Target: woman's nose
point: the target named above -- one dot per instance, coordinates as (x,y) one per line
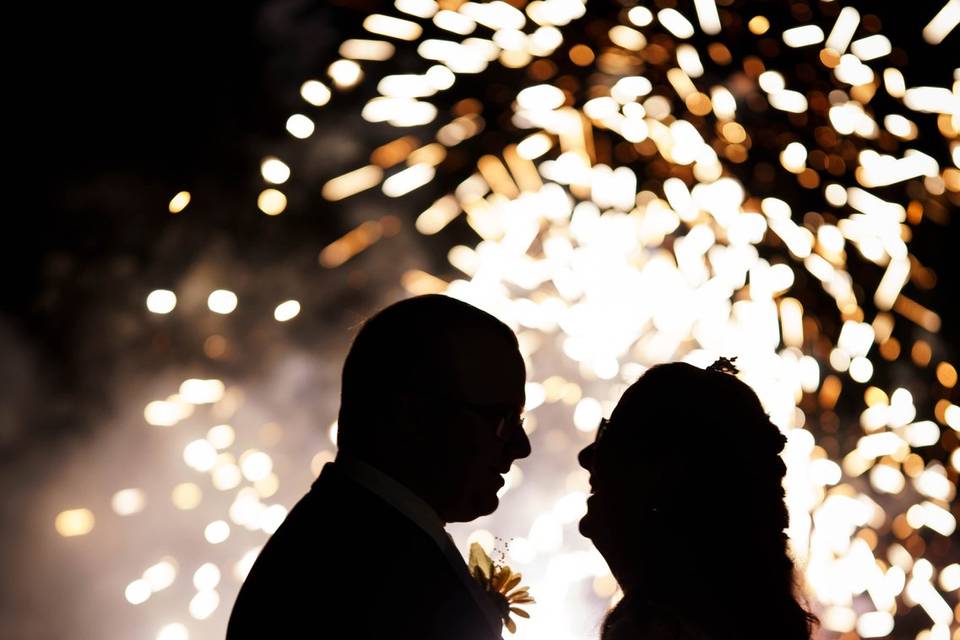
(585,457)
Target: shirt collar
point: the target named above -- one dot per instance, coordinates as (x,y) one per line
(422,514)
(400,497)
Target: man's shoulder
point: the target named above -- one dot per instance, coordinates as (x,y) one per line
(338,504)
(347,558)
(338,523)
(337,511)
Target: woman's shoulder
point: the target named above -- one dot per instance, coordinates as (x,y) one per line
(654,623)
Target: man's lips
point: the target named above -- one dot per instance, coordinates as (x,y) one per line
(500,474)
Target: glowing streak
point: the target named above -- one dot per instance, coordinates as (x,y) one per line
(791,319)
(895,276)
(421,283)
(681,82)
(676,23)
(455,22)
(871,47)
(392,27)
(407,180)
(431,154)
(803,36)
(523,170)
(843,30)
(542,96)
(943,23)
(418,8)
(708,16)
(74,522)
(917,313)
(689,60)
(627,38)
(497,176)
(439,215)
(286,311)
(400,112)
(883,170)
(352,243)
(375,50)
(894,82)
(497,15)
(786,100)
(406,86)
(932,100)
(179,202)
(534,146)
(352,183)
(724,104)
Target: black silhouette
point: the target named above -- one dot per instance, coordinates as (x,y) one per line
(688,510)
(432,394)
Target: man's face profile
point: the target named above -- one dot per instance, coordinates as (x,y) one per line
(478,434)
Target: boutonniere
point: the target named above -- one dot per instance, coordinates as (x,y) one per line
(501,584)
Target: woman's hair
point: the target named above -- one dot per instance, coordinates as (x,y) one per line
(706,459)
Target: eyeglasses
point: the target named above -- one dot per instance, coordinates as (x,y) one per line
(506,418)
(601,429)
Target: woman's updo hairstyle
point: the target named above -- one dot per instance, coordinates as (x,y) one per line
(711,479)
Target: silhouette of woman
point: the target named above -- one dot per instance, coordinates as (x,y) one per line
(687,509)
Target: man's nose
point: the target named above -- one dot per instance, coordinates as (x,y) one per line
(520,443)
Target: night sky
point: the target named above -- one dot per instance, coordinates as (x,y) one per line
(124,105)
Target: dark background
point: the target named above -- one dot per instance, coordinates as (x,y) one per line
(118,107)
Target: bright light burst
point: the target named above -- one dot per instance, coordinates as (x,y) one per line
(676,185)
(699,194)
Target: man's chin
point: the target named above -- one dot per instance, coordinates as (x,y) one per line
(477,509)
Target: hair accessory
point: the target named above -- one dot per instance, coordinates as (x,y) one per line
(724,365)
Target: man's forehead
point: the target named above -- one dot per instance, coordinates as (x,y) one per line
(487,367)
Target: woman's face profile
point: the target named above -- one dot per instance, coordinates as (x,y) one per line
(618,505)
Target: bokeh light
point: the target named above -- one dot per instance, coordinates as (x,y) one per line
(161,301)
(222,301)
(622,185)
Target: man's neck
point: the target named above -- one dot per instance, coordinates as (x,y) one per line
(405,500)
(406,475)
(392,489)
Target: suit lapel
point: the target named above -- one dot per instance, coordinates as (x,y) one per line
(458,608)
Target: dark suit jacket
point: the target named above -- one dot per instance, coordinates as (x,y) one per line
(346,564)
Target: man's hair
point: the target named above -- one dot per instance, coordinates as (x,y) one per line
(404,347)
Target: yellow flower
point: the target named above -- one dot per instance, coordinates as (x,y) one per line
(501,583)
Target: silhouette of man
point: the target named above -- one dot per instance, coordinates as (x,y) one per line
(432,393)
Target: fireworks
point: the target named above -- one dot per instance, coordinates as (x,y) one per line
(660,184)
